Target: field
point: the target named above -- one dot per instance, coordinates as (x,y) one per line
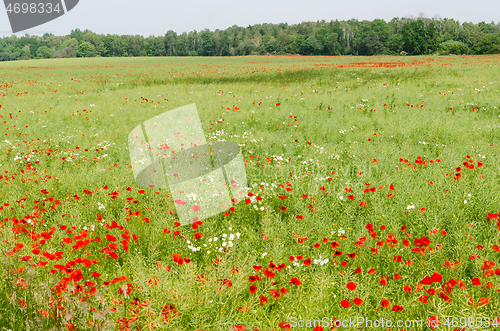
(373,195)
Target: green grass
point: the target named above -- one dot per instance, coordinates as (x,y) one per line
(350,115)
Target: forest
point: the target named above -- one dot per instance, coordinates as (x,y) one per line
(400,36)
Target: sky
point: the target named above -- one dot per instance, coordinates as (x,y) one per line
(155,17)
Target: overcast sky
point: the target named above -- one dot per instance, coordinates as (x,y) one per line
(155,17)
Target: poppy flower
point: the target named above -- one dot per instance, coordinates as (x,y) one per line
(476,281)
(275,294)
(285,326)
(253,289)
(433,322)
(295,281)
(436,277)
(383,280)
(345,303)
(484,301)
(423,299)
(426,281)
(407,289)
(357,301)
(397,308)
(385,303)
(110,237)
(263,299)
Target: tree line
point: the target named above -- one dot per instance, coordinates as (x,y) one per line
(400,36)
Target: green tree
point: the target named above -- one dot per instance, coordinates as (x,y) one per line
(453,47)
(470,34)
(44,52)
(310,46)
(489,44)
(159,49)
(97,41)
(77,34)
(171,43)
(86,49)
(136,45)
(394,44)
(419,39)
(208,46)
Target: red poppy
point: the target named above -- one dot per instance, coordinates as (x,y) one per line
(476,281)
(253,289)
(385,303)
(484,301)
(351,286)
(263,299)
(436,277)
(423,299)
(345,303)
(295,281)
(433,322)
(357,301)
(397,308)
(285,326)
(110,237)
(426,281)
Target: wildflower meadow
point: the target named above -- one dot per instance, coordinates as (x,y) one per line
(373,194)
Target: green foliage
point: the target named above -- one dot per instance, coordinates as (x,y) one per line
(419,39)
(453,47)
(86,49)
(352,37)
(44,52)
(488,44)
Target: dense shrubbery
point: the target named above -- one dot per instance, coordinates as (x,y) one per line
(353,37)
